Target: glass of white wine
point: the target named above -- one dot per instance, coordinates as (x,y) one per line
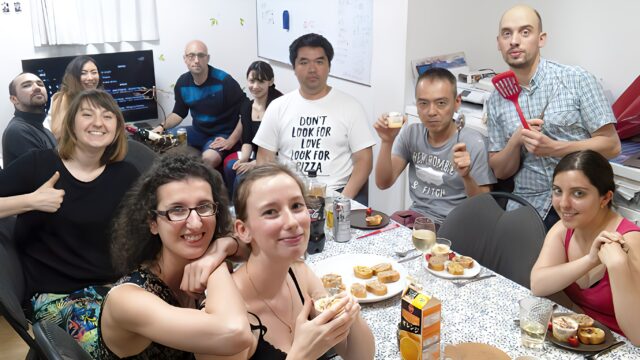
(424,234)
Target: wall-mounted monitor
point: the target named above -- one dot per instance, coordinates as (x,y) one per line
(128,76)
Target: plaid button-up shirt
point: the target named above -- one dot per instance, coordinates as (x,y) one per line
(576,108)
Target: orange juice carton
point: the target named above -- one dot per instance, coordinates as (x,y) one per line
(419,329)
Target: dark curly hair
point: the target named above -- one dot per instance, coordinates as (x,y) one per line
(132,244)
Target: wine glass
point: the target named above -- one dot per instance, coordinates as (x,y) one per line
(424,234)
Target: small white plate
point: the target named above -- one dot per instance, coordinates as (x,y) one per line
(343,266)
(468,273)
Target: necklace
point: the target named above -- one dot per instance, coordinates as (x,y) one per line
(246,268)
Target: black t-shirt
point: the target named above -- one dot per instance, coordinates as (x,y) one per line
(67,250)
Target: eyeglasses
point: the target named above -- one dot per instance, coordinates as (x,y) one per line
(182,213)
(192,56)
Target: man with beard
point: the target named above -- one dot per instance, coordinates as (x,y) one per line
(25,131)
(565,107)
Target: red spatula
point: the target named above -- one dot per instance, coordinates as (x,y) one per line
(507,85)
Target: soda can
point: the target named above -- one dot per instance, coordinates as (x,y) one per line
(181,134)
(341,219)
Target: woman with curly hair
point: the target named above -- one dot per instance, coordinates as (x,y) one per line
(81,74)
(169,219)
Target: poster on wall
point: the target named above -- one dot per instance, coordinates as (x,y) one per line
(347,24)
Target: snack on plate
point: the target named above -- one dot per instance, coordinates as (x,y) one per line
(455,268)
(376,287)
(388,276)
(362,272)
(358,290)
(465,261)
(325,303)
(380,268)
(591,335)
(374,220)
(436,263)
(564,327)
(440,250)
(583,320)
(332,281)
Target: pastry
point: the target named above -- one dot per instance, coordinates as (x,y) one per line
(564,327)
(436,263)
(583,320)
(440,250)
(376,287)
(455,268)
(325,303)
(332,281)
(362,272)
(374,220)
(591,336)
(388,276)
(465,261)
(380,268)
(358,290)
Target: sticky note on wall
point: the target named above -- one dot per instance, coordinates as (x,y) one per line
(285,20)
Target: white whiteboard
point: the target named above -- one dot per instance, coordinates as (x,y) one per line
(347,24)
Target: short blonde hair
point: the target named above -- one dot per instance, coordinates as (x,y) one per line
(117,150)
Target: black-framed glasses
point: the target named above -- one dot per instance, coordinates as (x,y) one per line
(180,213)
(192,56)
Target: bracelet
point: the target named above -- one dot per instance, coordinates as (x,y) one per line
(237,246)
(163,127)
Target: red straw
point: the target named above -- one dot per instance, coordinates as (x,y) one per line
(388,227)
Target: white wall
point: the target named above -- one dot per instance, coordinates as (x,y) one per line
(595,35)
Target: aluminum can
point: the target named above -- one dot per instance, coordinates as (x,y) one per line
(181,134)
(341,219)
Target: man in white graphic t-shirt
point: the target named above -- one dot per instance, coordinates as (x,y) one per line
(318,127)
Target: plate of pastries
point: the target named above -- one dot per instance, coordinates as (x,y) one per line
(450,265)
(368,219)
(368,277)
(578,332)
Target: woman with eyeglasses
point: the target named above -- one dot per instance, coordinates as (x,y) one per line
(275,283)
(81,74)
(65,199)
(170,218)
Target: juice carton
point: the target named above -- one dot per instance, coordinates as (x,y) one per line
(419,332)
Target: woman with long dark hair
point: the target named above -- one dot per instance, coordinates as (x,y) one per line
(592,253)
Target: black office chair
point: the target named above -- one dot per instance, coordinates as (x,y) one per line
(57,344)
(12,288)
(140,155)
(507,242)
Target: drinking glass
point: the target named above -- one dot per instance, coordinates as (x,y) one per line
(441,248)
(535,314)
(424,234)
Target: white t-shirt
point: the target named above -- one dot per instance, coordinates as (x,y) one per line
(317,134)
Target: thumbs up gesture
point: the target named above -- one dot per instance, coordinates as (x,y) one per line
(47,198)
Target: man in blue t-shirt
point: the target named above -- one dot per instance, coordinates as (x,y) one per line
(213,98)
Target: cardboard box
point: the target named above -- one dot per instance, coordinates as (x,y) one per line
(419,332)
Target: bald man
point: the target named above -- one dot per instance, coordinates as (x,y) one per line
(213,98)
(565,107)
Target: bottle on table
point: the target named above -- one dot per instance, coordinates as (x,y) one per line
(316,194)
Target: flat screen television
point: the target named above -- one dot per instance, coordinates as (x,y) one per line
(126,76)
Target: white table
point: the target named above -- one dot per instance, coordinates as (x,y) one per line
(479,312)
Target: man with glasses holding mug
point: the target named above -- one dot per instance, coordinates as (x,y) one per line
(213,98)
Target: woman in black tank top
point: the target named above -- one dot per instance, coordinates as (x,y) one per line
(277,285)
